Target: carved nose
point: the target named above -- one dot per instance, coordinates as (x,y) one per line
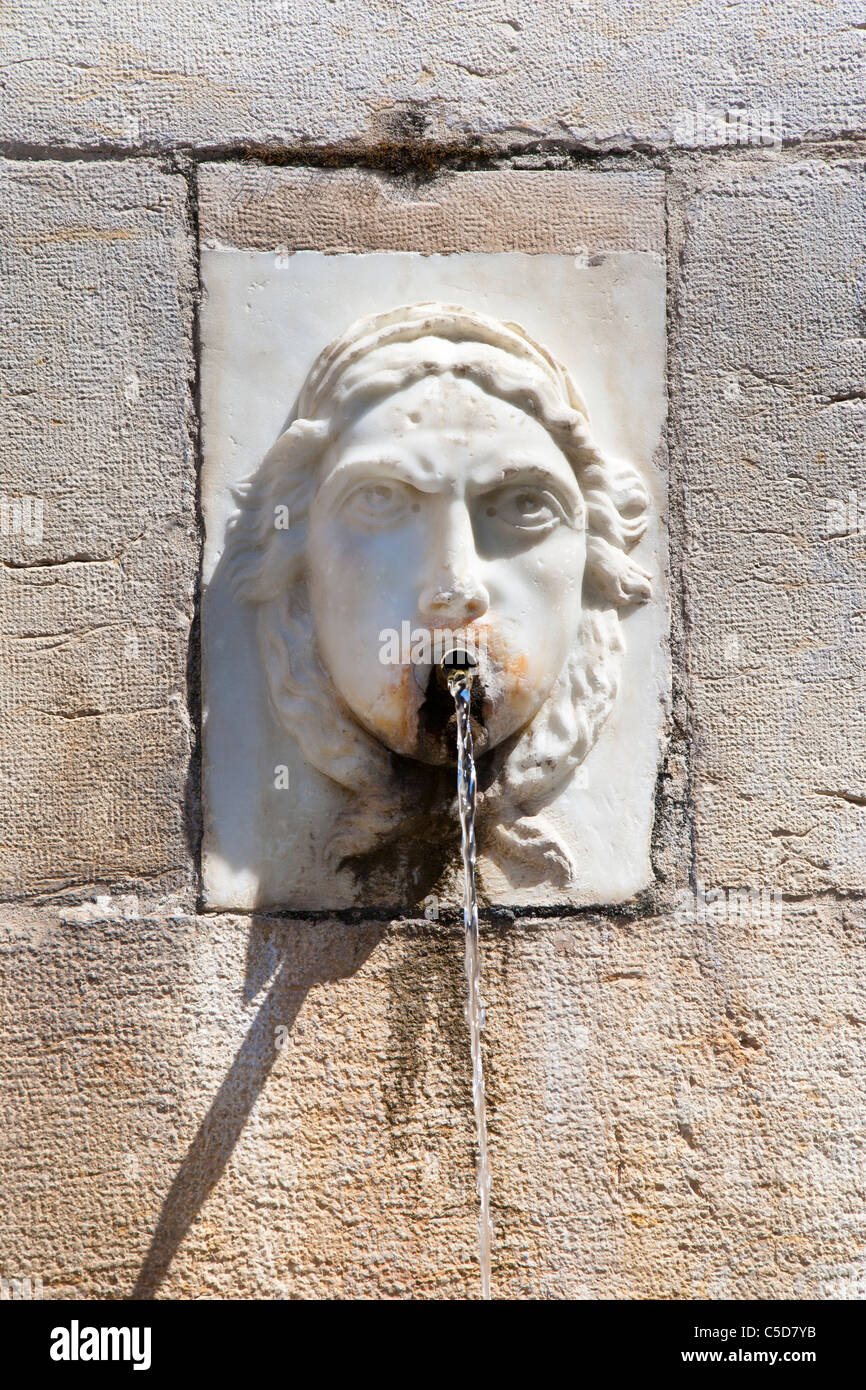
(457,602)
(455,593)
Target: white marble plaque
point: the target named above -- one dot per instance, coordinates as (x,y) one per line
(403,450)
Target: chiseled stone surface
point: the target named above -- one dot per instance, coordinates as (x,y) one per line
(341,74)
(260,208)
(97,576)
(770,412)
(232,1105)
(244,1108)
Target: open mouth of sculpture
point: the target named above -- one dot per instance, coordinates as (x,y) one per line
(437,719)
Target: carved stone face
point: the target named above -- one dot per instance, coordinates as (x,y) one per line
(440,481)
(444,507)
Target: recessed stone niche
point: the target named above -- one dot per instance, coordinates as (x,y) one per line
(431,414)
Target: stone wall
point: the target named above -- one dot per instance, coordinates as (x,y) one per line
(200,1104)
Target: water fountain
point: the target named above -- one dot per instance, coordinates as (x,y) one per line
(438,484)
(459,668)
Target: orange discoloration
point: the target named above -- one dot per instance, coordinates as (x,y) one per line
(517,673)
(639,1218)
(396,715)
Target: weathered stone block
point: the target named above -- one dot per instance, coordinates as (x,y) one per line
(770,412)
(264,1109)
(98,546)
(356,210)
(341,74)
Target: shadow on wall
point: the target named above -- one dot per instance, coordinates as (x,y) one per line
(298,957)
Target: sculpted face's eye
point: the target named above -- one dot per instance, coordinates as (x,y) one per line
(376,506)
(527,509)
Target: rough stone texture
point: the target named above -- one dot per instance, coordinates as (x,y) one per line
(771,415)
(354,210)
(95,616)
(676,1099)
(675,1107)
(285,72)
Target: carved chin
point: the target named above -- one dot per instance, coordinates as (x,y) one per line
(419,722)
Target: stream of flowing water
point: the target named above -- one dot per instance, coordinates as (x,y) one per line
(459,683)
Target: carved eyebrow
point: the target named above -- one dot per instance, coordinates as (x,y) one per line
(348,470)
(516,471)
(501,474)
(522,468)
